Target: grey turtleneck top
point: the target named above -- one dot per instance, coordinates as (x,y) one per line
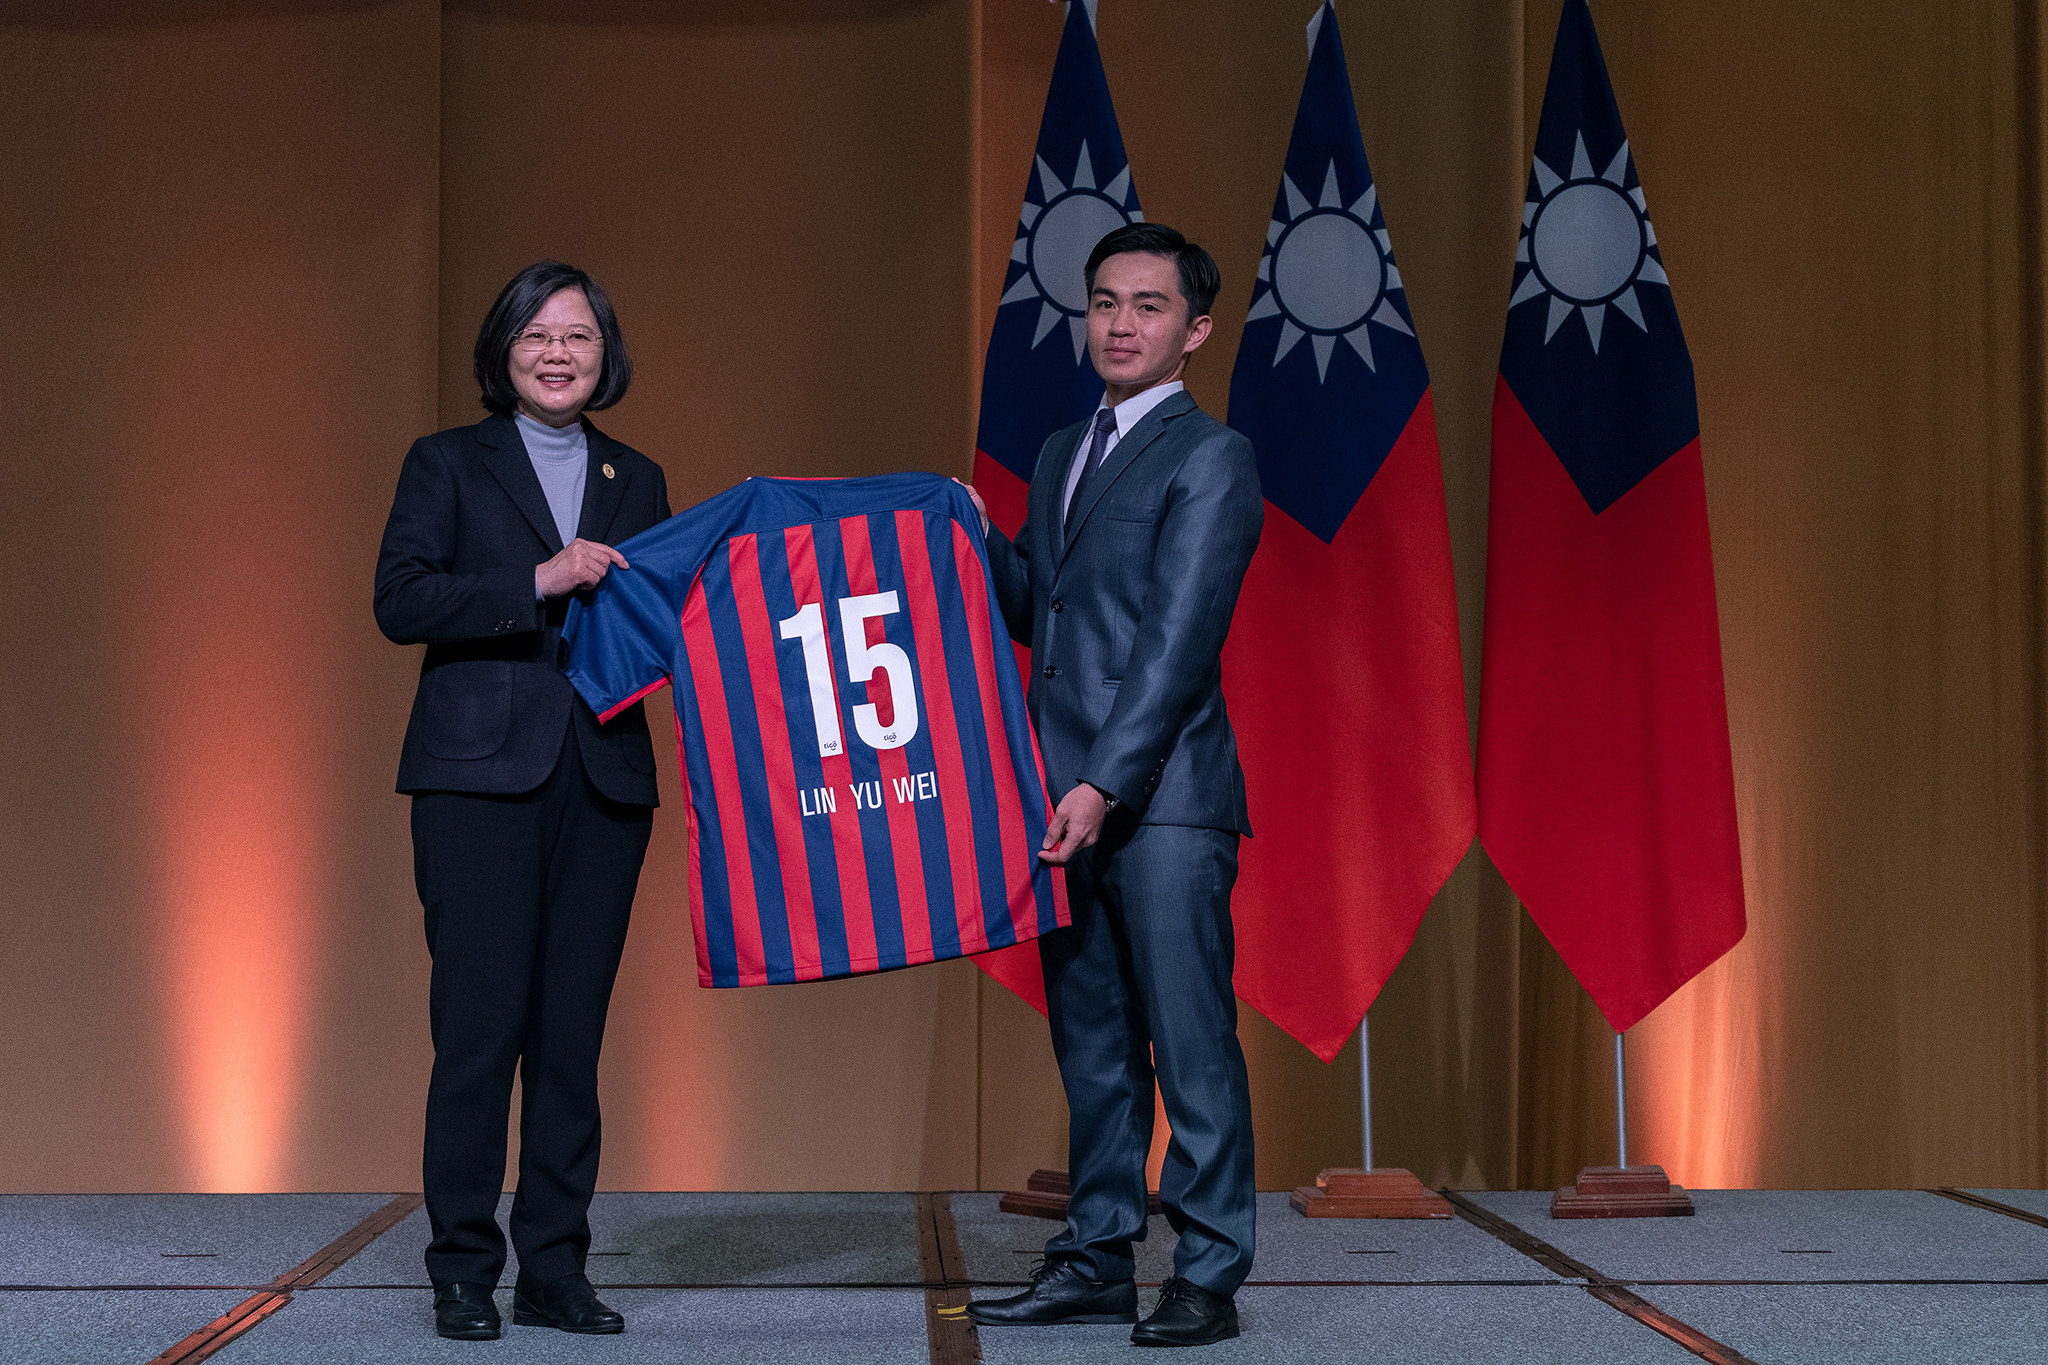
(561,458)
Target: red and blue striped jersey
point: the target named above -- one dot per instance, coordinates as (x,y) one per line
(864,790)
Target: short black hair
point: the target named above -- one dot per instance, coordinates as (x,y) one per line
(1199,278)
(518,301)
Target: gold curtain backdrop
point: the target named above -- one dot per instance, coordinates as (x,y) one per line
(250,242)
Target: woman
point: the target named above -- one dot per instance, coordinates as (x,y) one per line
(529,819)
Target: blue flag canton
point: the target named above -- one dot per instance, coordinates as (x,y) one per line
(1037,377)
(1593,348)
(1329,371)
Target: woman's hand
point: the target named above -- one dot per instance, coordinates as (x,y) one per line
(581,564)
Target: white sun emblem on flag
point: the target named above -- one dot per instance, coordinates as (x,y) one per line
(1587,244)
(1327,272)
(1054,240)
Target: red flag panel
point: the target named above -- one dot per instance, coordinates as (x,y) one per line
(1360,816)
(1606,787)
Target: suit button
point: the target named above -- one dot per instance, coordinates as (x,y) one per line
(1051,672)
(1058,605)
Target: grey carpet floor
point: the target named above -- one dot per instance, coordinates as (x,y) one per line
(1421,1291)
(70,1327)
(1292,1247)
(1869,1324)
(2033,1201)
(690,1239)
(1000,1247)
(168,1239)
(1418,1325)
(1794,1235)
(772,1326)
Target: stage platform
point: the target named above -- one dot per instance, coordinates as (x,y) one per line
(845,1279)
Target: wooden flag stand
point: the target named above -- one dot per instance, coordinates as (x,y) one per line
(1387,1193)
(1368,1193)
(1622,1191)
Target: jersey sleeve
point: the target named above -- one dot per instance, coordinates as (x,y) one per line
(622,637)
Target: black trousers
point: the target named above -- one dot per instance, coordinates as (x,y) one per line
(527,899)
(1141,982)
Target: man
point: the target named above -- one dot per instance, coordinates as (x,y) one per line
(1138,529)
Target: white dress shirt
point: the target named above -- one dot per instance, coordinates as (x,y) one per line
(1128,414)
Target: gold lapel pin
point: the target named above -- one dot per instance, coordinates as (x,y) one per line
(610,473)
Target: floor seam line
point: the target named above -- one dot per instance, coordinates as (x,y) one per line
(244,1316)
(1978,1201)
(949,1335)
(1613,1292)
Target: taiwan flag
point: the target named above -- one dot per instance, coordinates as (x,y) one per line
(1606,793)
(1342,668)
(1038,377)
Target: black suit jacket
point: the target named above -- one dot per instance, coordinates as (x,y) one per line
(468,525)
(1126,608)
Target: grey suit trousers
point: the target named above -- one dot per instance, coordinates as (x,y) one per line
(1140,985)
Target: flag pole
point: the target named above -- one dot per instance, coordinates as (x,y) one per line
(1620,1106)
(1365,1087)
(1579,427)
(1621,1190)
(1366,1192)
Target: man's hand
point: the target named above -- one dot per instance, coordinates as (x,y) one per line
(979,505)
(581,564)
(1074,826)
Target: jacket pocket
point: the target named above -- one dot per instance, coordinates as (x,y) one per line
(628,736)
(465,708)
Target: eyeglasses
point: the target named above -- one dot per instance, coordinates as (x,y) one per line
(536,339)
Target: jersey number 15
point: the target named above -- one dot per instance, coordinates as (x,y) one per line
(862,659)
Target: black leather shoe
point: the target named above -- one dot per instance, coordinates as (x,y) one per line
(1187,1315)
(1059,1292)
(465,1312)
(569,1304)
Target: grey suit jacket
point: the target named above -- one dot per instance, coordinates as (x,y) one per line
(1126,609)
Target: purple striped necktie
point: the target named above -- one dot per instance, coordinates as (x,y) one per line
(1105,423)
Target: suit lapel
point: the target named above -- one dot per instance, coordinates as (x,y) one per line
(602,494)
(1050,490)
(1149,429)
(505,457)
